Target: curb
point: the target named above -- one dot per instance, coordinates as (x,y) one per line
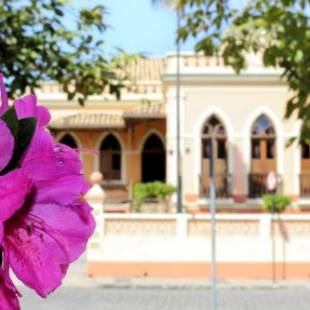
(149,283)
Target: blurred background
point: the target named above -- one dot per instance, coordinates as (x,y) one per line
(191,118)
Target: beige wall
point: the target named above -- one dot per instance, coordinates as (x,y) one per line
(207,87)
(237,104)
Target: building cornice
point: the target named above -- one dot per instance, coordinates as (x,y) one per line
(247,77)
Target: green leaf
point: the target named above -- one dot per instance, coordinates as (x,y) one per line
(299,56)
(37,46)
(26,131)
(279,30)
(27,128)
(11,120)
(59,12)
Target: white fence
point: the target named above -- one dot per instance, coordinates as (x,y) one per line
(241,239)
(178,245)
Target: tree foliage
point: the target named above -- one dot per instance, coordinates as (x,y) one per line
(278,30)
(51,40)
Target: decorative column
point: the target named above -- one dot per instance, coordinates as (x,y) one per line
(96,197)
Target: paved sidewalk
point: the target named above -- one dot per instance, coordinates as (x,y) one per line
(167,299)
(80,292)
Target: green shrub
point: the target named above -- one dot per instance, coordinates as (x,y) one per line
(153,190)
(275,203)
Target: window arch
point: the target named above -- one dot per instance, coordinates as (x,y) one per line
(69,140)
(111,158)
(263,138)
(214,129)
(263,156)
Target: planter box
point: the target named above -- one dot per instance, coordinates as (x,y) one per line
(152,206)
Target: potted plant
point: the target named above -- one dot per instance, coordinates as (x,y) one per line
(152,196)
(276,203)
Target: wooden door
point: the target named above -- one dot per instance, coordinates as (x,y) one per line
(263,155)
(220,166)
(111,165)
(111,159)
(305,171)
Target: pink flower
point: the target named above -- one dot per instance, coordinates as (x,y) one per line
(44,221)
(8,292)
(6,145)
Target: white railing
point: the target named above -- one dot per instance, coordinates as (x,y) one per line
(185,238)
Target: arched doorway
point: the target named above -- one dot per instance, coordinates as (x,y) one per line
(263,155)
(68,140)
(153,160)
(111,158)
(214,129)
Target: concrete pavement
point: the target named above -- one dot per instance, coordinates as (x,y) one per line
(168,299)
(79,293)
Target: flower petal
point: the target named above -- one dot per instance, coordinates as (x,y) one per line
(43,116)
(32,256)
(14,187)
(8,292)
(74,223)
(4,98)
(55,170)
(46,241)
(1,232)
(41,146)
(27,107)
(6,145)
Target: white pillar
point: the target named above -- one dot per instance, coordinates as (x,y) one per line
(182,226)
(96,197)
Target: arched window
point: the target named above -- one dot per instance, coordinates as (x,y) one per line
(263,139)
(68,140)
(110,158)
(153,160)
(214,129)
(263,155)
(305,170)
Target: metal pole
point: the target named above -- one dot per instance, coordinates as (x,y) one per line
(213,228)
(272,187)
(178,148)
(273,225)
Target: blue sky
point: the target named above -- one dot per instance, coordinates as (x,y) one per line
(138,26)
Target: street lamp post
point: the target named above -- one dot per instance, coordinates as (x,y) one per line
(271,187)
(213,226)
(178,147)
